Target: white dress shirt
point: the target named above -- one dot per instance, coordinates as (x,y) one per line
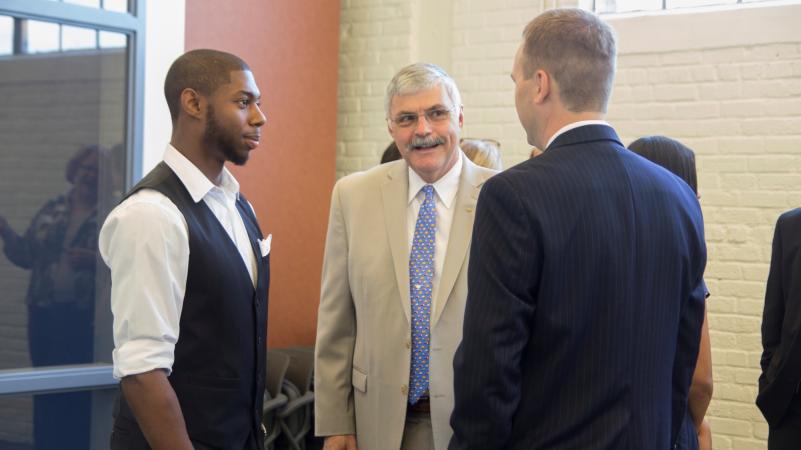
(445,188)
(145,243)
(572,126)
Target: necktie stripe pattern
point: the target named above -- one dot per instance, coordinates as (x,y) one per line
(421,276)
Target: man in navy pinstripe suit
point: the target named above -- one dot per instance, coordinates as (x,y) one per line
(585,299)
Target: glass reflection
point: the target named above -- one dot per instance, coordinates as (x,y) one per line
(671,4)
(95,419)
(89,3)
(110,5)
(63,124)
(620,6)
(111,40)
(116,5)
(6,35)
(77,38)
(41,36)
(59,249)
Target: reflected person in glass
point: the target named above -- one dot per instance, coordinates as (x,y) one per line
(59,248)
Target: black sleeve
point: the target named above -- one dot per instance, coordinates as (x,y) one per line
(502,274)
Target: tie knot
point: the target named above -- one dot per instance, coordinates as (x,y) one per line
(428,190)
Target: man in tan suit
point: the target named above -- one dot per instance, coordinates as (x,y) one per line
(395,278)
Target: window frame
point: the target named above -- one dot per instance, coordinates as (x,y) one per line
(593,6)
(704,27)
(43,380)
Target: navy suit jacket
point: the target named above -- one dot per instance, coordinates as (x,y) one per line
(781,322)
(585,302)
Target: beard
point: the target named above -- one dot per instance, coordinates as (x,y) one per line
(215,136)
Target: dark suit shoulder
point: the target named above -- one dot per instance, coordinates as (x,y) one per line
(787,236)
(500,181)
(789,218)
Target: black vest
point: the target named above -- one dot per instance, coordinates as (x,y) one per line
(219,368)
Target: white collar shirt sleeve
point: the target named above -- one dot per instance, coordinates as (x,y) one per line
(145,243)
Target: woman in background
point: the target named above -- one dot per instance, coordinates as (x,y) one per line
(695,432)
(483,152)
(60,248)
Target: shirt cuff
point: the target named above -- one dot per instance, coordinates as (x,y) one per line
(140,356)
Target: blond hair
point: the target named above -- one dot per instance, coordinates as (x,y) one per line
(482,153)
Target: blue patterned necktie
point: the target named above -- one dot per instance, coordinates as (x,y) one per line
(421,276)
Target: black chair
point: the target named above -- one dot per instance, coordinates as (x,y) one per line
(295,418)
(274,398)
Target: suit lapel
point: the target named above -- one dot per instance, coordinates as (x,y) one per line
(459,235)
(394,194)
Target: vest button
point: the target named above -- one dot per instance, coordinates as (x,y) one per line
(404,389)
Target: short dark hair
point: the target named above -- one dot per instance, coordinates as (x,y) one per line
(670,154)
(203,70)
(77,159)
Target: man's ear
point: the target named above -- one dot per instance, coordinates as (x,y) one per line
(461,116)
(193,104)
(542,86)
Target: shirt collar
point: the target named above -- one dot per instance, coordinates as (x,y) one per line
(574,125)
(193,179)
(446,187)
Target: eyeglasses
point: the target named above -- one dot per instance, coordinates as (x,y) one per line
(433,115)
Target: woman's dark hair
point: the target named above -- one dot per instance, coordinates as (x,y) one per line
(391,153)
(77,159)
(670,154)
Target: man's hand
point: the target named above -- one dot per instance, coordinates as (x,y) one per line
(341,442)
(705,436)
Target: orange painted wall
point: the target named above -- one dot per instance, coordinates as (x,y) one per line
(293,49)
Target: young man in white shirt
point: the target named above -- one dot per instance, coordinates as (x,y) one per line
(190,273)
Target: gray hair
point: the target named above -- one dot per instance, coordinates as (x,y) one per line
(420,76)
(578,51)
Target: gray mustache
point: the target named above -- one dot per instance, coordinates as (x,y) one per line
(424,142)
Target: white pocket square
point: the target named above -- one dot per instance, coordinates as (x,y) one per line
(264,245)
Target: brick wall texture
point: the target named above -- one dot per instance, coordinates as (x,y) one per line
(738,107)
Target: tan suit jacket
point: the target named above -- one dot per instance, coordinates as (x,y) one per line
(363,349)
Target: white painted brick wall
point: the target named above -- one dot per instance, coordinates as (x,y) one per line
(375,42)
(738,107)
(743,119)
